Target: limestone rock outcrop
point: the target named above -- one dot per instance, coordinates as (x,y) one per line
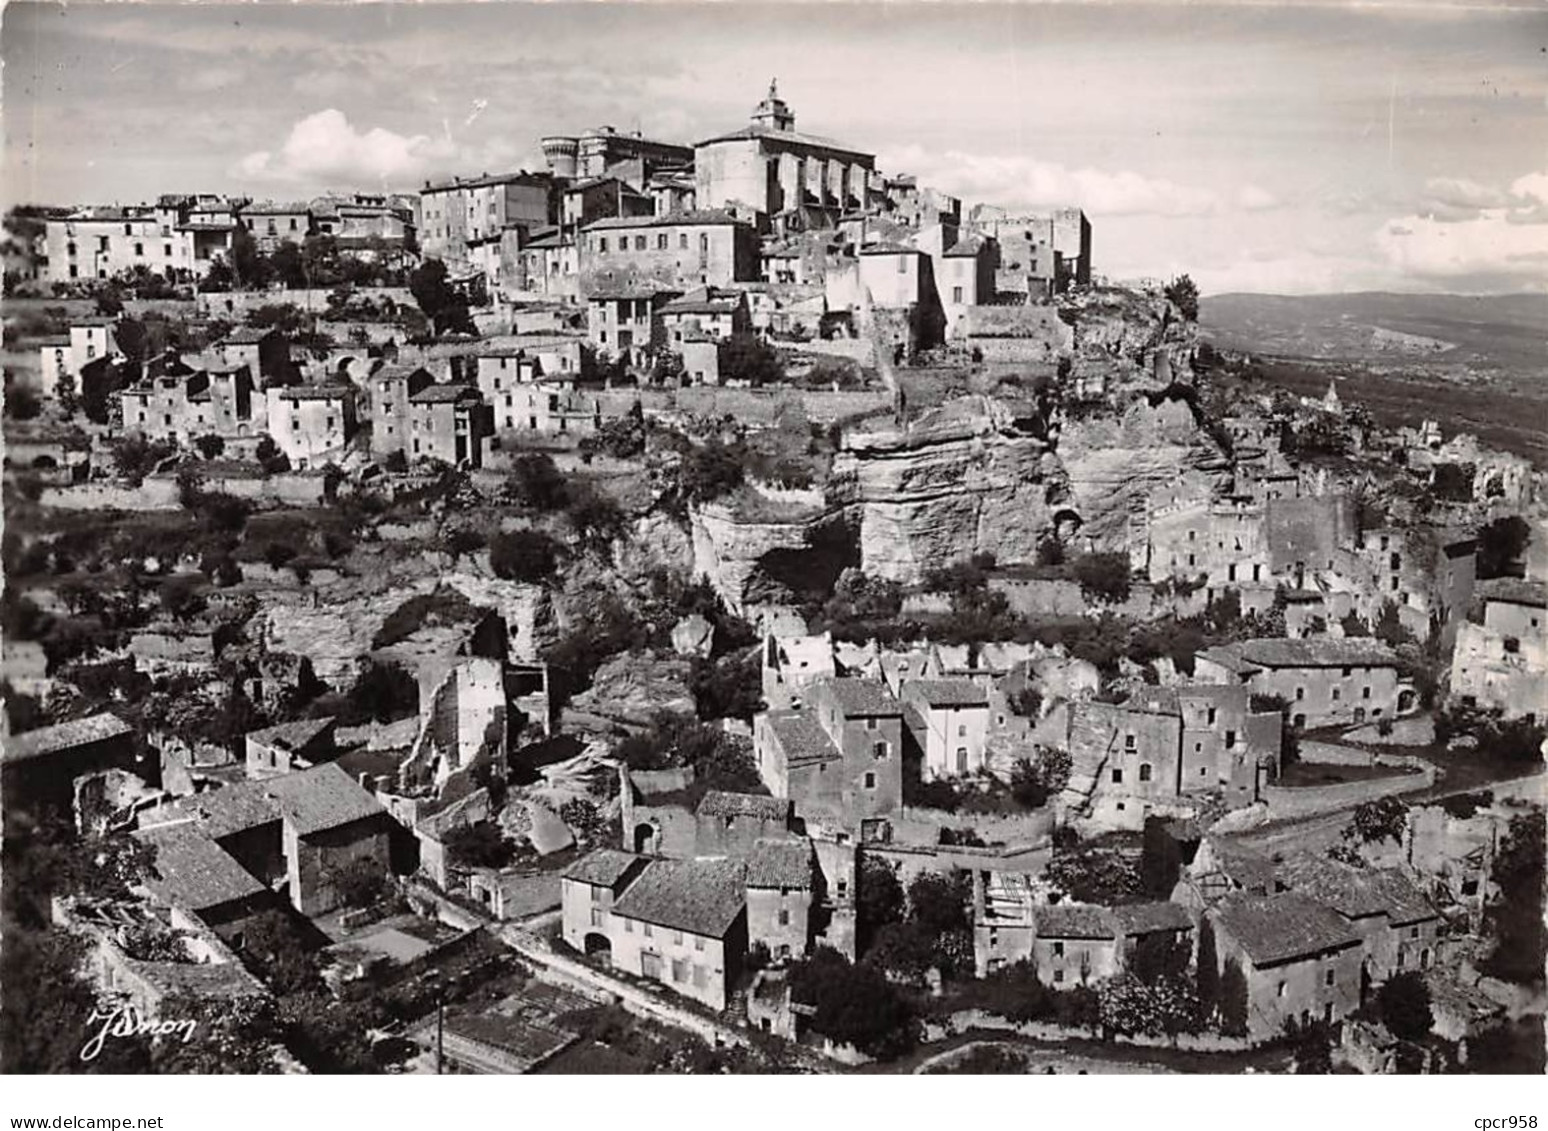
(960,480)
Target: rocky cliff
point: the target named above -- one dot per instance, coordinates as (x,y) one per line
(962,479)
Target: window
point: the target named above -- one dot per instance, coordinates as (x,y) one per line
(1203,771)
(1400,959)
(1129,742)
(602,245)
(1348,672)
(956,294)
(1117,777)
(628,926)
(139,249)
(784,917)
(1144,771)
(902,265)
(879,749)
(1300,693)
(1327,1013)
(596,895)
(679,970)
(1212,712)
(698,942)
(843,889)
(661,242)
(596,917)
(1327,978)
(870,781)
(639,243)
(700,979)
(1413,932)
(677,938)
(1365,693)
(682,242)
(961,730)
(871,724)
(1230,741)
(1281,990)
(1058,975)
(648,932)
(1337,695)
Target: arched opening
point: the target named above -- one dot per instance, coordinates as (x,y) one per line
(598,946)
(45,463)
(1408,700)
(1066,524)
(645,839)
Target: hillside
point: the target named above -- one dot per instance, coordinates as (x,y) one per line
(1500,332)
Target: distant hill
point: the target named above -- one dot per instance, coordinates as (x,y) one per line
(1503,332)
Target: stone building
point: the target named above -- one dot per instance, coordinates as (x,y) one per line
(840,753)
(1301,961)
(262,349)
(605,151)
(272,223)
(101,243)
(296,833)
(681,250)
(781,883)
(682,923)
(450,423)
(736,824)
(715,314)
(392,389)
(776,171)
(793,663)
(625,321)
(288,747)
(460,217)
(38,767)
(312,424)
(1503,661)
(548,406)
(1326,682)
(953,725)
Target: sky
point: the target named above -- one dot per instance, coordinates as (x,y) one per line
(1283,148)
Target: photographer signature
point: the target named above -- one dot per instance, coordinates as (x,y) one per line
(127,1021)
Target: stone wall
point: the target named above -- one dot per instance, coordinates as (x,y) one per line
(1307,801)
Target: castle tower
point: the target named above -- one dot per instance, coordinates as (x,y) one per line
(561,154)
(772,113)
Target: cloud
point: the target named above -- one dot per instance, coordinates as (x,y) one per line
(325,147)
(1255,199)
(1462,195)
(1533,186)
(1017,182)
(1488,250)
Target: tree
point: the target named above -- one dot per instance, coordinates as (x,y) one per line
(1515,914)
(479,845)
(210,446)
(621,437)
(362,882)
(853,1005)
(879,898)
(1453,482)
(1381,819)
(1035,780)
(1502,544)
(1313,1050)
(535,482)
(1104,576)
(583,818)
(384,692)
(180,596)
(941,902)
(1160,860)
(596,519)
(710,471)
(1183,293)
(441,303)
(278,953)
(1403,1002)
(1208,977)
(1233,1000)
(747,357)
(288,266)
(1164,1006)
(248,266)
(270,457)
(528,555)
(21,403)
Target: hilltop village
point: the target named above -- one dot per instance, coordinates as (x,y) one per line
(730,608)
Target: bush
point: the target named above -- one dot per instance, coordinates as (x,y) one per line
(529,556)
(746,357)
(1403,1002)
(535,482)
(480,845)
(21,403)
(1104,576)
(853,1005)
(384,692)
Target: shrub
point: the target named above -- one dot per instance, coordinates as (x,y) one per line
(1104,576)
(529,555)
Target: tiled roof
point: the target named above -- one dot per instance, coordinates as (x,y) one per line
(643,289)
(292,736)
(64,736)
(720,803)
(947,692)
(1281,928)
(1516,590)
(1243,867)
(246,336)
(968,245)
(1143,918)
(310,801)
(791,137)
(780,864)
(862,697)
(445,394)
(802,738)
(336,392)
(671,220)
(1073,921)
(702,302)
(522,177)
(193,871)
(604,867)
(889,249)
(1311,652)
(701,896)
(1354,892)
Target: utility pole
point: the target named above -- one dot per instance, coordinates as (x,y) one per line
(440,1032)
